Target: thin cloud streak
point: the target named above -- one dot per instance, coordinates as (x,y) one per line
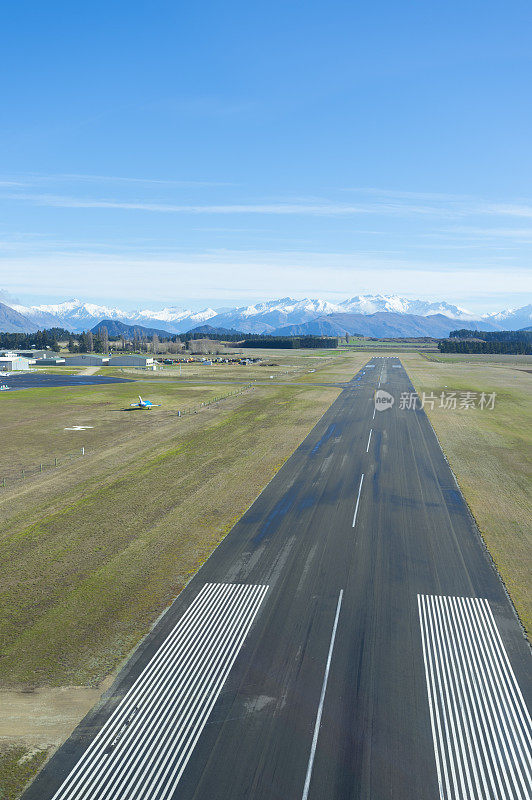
(320,209)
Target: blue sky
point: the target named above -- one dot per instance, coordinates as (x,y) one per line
(222,153)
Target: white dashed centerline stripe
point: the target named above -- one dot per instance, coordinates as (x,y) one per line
(369,439)
(143,749)
(358,500)
(481,727)
(322,700)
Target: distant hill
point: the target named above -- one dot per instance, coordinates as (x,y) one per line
(210,329)
(386,324)
(117,328)
(12,321)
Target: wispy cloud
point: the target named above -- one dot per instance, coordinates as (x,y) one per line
(38,179)
(521,235)
(388,206)
(322,209)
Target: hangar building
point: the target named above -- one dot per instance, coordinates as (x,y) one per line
(89,360)
(9,362)
(131,361)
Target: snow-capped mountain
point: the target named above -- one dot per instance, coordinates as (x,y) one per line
(272,315)
(511,318)
(73,315)
(371,304)
(77,316)
(266,317)
(176,315)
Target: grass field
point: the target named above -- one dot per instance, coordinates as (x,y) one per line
(503,359)
(489,451)
(18,765)
(93,551)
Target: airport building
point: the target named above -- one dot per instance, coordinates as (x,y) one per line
(89,360)
(9,362)
(37,353)
(131,361)
(50,362)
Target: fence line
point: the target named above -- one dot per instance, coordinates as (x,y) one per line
(8,476)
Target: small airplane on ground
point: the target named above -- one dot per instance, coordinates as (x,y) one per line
(144,404)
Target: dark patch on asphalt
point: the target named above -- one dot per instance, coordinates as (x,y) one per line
(453,497)
(327,435)
(273,520)
(51,381)
(308,501)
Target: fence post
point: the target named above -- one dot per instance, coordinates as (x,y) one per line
(22,472)
(4,482)
(40,467)
(82,451)
(55,461)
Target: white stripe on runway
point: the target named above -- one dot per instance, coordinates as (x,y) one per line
(358,501)
(481,728)
(144,747)
(369,439)
(317,724)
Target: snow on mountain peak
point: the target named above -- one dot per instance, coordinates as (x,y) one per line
(262,317)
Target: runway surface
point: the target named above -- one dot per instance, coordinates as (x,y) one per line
(349,638)
(25,381)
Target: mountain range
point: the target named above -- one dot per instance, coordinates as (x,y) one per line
(370,315)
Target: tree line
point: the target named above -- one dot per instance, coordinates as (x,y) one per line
(40,340)
(492,336)
(290,342)
(99,342)
(517,347)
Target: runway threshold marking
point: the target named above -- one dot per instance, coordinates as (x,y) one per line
(481,727)
(322,700)
(369,439)
(358,500)
(144,747)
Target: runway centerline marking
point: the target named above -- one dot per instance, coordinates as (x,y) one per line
(143,748)
(322,700)
(369,439)
(358,501)
(481,727)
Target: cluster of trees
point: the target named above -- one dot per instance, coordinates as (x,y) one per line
(88,342)
(464,340)
(492,336)
(100,342)
(39,340)
(290,342)
(517,347)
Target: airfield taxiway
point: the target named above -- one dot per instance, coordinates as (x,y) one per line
(44,381)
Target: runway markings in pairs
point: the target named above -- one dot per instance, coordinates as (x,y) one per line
(480,723)
(143,749)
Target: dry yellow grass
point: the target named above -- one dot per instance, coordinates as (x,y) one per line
(489,451)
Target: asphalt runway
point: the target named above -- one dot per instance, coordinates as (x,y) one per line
(349,638)
(25,381)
